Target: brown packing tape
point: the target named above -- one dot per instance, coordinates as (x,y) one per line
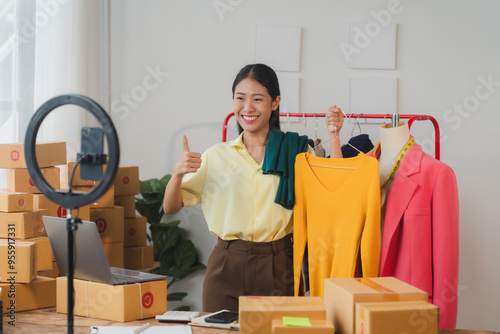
(387,294)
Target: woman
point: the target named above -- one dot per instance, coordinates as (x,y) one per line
(254,253)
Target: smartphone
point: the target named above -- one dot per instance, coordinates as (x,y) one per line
(224,317)
(92,142)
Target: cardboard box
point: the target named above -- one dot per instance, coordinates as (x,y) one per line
(415,317)
(127,181)
(114,302)
(257,313)
(40,293)
(342,294)
(15,202)
(44,254)
(22,225)
(135,231)
(18,264)
(47,155)
(317,327)
(19,180)
(110,223)
(128,203)
(55,210)
(138,257)
(115,254)
(53,273)
(105,201)
(77,180)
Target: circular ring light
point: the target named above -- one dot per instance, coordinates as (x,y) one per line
(65,199)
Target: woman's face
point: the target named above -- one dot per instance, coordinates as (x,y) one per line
(252,105)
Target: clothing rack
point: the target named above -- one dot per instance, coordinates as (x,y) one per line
(410,117)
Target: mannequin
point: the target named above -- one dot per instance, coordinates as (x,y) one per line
(392,141)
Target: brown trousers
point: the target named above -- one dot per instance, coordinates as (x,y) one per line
(245,268)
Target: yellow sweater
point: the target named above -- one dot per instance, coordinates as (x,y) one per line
(336,212)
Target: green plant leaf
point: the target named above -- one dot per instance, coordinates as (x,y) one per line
(176,296)
(164,180)
(185,254)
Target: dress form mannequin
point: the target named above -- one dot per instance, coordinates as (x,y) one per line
(392,141)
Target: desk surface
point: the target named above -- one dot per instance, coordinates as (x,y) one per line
(48,321)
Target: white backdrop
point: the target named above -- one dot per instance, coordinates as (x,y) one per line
(173,63)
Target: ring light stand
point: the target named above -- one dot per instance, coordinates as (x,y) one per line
(70,200)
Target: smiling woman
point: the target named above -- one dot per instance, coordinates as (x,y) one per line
(254,253)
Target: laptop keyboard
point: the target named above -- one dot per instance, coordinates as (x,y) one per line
(123,278)
(177,316)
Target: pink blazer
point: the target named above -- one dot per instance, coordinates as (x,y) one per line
(420,233)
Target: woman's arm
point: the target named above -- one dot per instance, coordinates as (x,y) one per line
(190,162)
(334,120)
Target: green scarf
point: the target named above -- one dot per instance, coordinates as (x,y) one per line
(279,159)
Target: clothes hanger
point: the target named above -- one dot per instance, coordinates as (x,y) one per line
(337,167)
(338,137)
(356,122)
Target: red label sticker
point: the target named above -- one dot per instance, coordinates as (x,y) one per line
(61,212)
(132,231)
(21,202)
(14,155)
(101,225)
(126,180)
(31,182)
(147,300)
(362,328)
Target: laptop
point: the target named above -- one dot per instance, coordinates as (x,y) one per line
(90,263)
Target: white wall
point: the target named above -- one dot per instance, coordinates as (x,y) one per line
(444,47)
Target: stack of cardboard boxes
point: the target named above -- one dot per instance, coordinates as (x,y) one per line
(137,254)
(381,305)
(123,233)
(27,265)
(124,238)
(24,247)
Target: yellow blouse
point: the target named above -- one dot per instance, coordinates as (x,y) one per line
(236,198)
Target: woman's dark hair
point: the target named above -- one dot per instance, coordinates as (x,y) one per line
(266,76)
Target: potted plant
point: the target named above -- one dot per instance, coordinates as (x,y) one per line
(176,254)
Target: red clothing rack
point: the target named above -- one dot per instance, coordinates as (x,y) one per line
(410,118)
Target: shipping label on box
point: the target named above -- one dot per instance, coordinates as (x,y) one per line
(138,257)
(15,202)
(22,225)
(40,293)
(135,231)
(316,327)
(114,302)
(55,210)
(19,180)
(47,155)
(115,254)
(342,294)
(128,203)
(256,313)
(110,223)
(17,261)
(414,317)
(127,181)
